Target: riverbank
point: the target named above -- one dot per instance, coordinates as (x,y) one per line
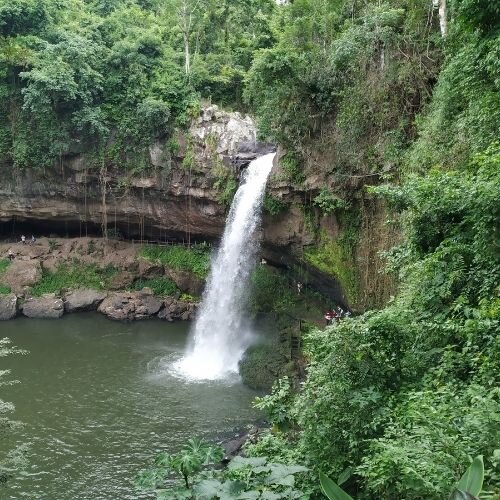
(122,280)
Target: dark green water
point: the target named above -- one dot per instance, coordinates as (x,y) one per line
(98,402)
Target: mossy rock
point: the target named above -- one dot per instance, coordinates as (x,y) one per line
(262,364)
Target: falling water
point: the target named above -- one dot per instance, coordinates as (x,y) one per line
(221,333)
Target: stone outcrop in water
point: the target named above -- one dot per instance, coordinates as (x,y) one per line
(46,307)
(81,299)
(129,306)
(8,306)
(177,310)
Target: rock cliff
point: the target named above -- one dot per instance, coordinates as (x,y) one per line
(182,194)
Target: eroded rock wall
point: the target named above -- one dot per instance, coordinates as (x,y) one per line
(179,197)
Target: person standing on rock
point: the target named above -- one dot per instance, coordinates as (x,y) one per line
(33,239)
(23,239)
(10,254)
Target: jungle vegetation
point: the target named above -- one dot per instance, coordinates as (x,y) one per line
(397,401)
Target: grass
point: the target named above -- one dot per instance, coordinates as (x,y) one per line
(195,259)
(75,275)
(160,286)
(4,264)
(334,257)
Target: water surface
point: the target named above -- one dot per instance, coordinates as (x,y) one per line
(99,400)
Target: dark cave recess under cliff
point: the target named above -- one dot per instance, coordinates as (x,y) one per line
(12,230)
(145,232)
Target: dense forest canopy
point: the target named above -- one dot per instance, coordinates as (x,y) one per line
(397,400)
(87,74)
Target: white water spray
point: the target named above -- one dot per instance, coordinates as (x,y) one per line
(221,334)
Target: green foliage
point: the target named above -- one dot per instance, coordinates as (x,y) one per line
(195,259)
(292,168)
(472,480)
(160,286)
(329,203)
(331,490)
(407,394)
(336,258)
(227,187)
(277,404)
(245,478)
(271,291)
(273,206)
(463,116)
(188,462)
(89,76)
(4,264)
(73,275)
(348,78)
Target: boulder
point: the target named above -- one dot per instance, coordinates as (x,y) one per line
(122,280)
(129,306)
(21,274)
(148,269)
(8,306)
(83,300)
(47,306)
(186,281)
(175,309)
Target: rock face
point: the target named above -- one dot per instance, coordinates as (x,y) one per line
(8,306)
(177,310)
(129,306)
(47,306)
(165,201)
(187,282)
(83,300)
(21,274)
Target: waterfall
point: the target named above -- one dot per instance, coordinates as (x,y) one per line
(221,332)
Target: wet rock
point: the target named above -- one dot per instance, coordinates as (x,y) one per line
(83,300)
(47,306)
(175,309)
(129,306)
(8,306)
(149,269)
(186,281)
(21,274)
(263,364)
(123,279)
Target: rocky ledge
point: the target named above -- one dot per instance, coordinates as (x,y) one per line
(121,306)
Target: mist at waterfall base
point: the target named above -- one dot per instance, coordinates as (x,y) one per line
(221,333)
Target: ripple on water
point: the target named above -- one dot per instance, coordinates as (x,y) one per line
(100,399)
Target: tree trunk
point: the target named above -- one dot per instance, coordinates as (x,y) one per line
(443,20)
(187,64)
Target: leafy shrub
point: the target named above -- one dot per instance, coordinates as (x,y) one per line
(244,477)
(74,275)
(273,206)
(329,203)
(271,291)
(195,259)
(160,286)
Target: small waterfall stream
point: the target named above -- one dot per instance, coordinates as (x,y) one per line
(221,333)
